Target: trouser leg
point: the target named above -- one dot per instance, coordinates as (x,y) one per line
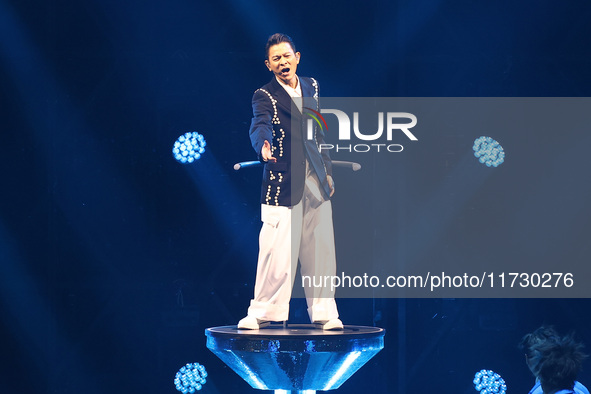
(277,262)
(317,251)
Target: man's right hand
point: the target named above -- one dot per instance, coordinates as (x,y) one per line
(266,152)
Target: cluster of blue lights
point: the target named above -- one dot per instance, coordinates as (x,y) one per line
(190,378)
(189,147)
(489,151)
(488,382)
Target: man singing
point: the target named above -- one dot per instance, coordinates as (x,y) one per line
(295,201)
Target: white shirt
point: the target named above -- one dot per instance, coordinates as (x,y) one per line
(294,93)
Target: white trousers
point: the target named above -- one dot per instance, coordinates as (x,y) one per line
(304,230)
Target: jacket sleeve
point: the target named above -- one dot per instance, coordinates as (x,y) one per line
(261,127)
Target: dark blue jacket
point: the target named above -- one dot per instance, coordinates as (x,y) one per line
(273,120)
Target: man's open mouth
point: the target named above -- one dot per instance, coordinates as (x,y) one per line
(285,70)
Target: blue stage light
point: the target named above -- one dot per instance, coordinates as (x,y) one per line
(488,151)
(189,147)
(488,382)
(190,378)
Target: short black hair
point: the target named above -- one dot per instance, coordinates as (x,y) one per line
(278,38)
(541,335)
(553,359)
(561,364)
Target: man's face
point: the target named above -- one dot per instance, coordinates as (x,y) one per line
(283,62)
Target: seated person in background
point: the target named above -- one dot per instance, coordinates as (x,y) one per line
(555,361)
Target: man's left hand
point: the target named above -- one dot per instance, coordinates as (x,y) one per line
(330,184)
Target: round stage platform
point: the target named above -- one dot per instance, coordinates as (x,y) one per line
(298,357)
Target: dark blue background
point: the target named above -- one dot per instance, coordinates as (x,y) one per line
(115,258)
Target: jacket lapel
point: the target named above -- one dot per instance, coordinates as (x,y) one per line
(307,89)
(284,99)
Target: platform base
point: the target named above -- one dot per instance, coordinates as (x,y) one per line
(295,359)
(294,392)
